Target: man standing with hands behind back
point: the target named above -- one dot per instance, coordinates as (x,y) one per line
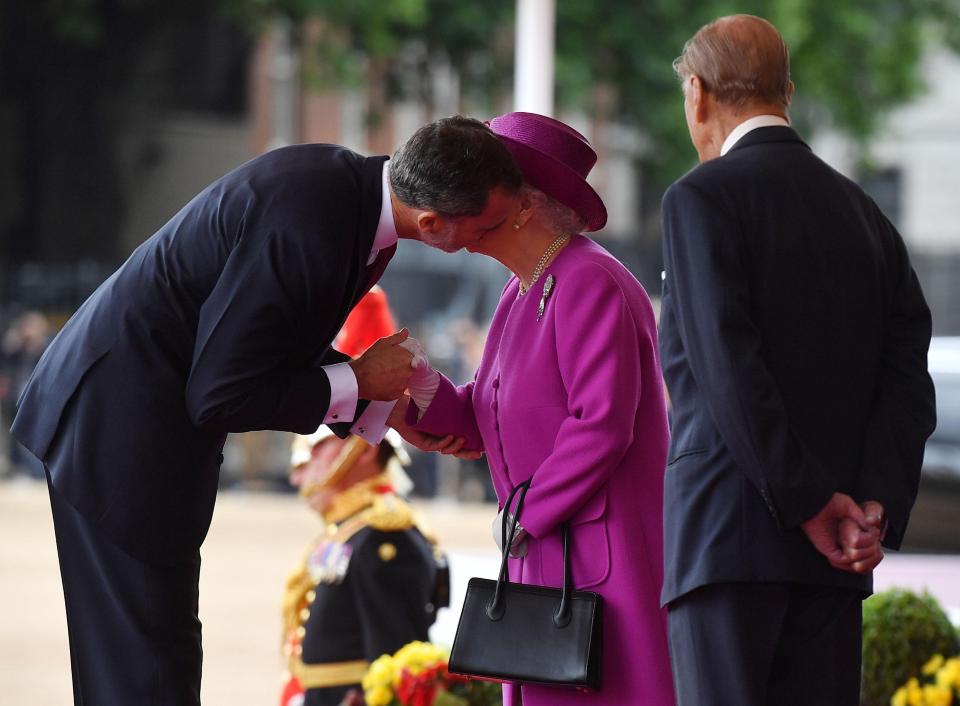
(222,322)
(794,341)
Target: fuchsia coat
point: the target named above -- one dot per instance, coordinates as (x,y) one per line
(575,401)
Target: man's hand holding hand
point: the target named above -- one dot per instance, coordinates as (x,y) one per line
(862,548)
(824,529)
(384,370)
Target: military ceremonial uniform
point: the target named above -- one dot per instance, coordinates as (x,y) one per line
(372,584)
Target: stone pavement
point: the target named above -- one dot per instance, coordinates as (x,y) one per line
(254,541)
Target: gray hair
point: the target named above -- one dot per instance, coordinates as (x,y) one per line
(559,219)
(740,59)
(450,166)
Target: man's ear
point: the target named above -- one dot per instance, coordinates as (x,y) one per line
(698,98)
(526,210)
(429,222)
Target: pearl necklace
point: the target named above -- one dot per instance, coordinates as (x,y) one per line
(538,270)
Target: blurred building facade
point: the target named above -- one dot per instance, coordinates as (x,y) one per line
(913,175)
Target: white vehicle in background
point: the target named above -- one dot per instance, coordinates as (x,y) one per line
(935,520)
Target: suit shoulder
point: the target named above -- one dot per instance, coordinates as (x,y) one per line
(288,171)
(706,181)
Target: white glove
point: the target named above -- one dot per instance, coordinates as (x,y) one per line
(518,549)
(425,380)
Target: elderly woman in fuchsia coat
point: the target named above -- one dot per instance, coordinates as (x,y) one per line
(569,395)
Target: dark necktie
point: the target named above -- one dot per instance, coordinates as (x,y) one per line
(375,269)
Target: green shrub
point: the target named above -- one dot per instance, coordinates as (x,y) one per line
(901,631)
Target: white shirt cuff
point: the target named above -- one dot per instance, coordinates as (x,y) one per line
(343,393)
(372,424)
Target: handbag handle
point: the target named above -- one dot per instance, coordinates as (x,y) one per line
(496,607)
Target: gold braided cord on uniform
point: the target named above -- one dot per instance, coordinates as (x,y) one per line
(318,676)
(299,584)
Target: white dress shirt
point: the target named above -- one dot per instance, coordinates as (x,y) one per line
(372,424)
(750,124)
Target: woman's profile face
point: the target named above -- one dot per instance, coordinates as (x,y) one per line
(500,237)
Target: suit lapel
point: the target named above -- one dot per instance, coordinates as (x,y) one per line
(371,201)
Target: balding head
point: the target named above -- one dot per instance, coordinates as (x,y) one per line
(741,60)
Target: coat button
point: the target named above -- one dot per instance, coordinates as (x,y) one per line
(496,383)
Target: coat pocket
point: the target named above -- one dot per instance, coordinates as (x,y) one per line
(590,547)
(687,453)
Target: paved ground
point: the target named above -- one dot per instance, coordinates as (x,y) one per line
(255,540)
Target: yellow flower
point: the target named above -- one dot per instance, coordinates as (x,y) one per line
(914,693)
(380,673)
(899,697)
(932,665)
(934,695)
(378,696)
(949,674)
(415,657)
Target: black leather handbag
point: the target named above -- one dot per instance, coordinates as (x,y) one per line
(530,634)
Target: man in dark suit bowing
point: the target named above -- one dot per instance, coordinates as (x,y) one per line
(222,322)
(793,338)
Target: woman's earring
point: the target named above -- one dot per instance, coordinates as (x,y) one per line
(516,226)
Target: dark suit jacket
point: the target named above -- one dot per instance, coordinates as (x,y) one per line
(218,323)
(793,339)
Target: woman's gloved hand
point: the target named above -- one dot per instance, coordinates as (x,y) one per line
(518,549)
(425,380)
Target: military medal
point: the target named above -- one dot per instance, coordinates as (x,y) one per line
(547,291)
(329,561)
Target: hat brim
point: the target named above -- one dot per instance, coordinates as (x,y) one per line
(559,181)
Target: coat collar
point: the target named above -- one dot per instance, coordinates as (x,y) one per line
(763,135)
(370,207)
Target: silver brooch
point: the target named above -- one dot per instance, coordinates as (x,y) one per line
(547,291)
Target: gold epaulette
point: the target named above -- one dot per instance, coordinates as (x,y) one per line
(389,514)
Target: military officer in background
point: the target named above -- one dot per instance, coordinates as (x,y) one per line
(372,583)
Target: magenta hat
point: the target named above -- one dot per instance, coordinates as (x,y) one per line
(554,158)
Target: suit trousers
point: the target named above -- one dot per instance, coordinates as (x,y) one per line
(766,644)
(133,627)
